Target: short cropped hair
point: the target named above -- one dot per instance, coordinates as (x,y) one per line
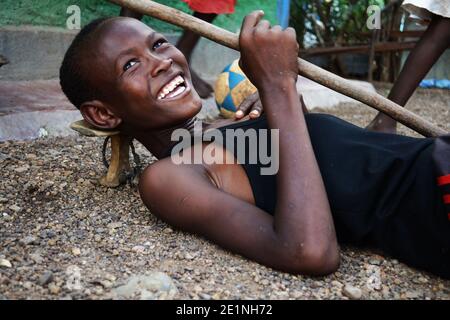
(72,74)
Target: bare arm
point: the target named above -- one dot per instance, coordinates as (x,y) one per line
(302,216)
(184,197)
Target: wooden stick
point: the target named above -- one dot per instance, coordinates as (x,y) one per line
(377,47)
(306,69)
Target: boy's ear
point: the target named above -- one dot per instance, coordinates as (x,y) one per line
(96,113)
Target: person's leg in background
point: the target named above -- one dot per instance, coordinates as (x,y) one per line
(430,47)
(207,11)
(186,44)
(125,12)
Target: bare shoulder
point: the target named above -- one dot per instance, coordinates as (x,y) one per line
(164,174)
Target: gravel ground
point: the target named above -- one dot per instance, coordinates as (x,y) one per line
(62,236)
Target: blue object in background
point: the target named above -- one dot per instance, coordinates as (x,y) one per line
(434,83)
(283,12)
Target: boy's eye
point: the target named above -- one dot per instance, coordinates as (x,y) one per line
(129,64)
(159,43)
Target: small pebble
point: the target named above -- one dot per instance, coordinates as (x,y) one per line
(167,230)
(54,289)
(28,240)
(204,296)
(352,292)
(5,263)
(46,278)
(138,249)
(15,208)
(412,295)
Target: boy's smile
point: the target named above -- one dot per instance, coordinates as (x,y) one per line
(173,88)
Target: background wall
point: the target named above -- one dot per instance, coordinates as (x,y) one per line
(53,12)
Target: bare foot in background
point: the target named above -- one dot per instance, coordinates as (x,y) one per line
(202,87)
(383,123)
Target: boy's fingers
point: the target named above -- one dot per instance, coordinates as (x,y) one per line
(251,20)
(276,28)
(263,25)
(246,104)
(256,110)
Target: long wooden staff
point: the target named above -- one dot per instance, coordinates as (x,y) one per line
(305,68)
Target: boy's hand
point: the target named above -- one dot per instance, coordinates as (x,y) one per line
(251,105)
(268,54)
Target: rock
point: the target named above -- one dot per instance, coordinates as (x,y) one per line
(47,233)
(420,280)
(36,257)
(167,230)
(3,156)
(189,256)
(73,282)
(104,283)
(204,296)
(46,278)
(15,208)
(296,294)
(216,296)
(198,289)
(21,169)
(27,285)
(114,225)
(110,277)
(413,295)
(76,251)
(336,283)
(5,263)
(138,249)
(156,285)
(3,200)
(317,284)
(265,282)
(98,291)
(352,292)
(375,261)
(28,240)
(54,289)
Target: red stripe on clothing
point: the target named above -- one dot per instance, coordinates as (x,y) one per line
(446,198)
(443,180)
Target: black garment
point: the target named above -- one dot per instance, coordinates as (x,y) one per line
(381,188)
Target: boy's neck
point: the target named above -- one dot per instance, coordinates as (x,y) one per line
(159,141)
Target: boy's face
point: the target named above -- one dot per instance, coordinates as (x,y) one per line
(146,80)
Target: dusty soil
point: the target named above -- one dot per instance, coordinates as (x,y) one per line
(55,218)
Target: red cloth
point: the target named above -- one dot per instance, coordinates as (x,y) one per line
(212,6)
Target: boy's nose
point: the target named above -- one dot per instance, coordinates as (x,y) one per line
(161,65)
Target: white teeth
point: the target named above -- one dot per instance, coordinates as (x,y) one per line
(168,88)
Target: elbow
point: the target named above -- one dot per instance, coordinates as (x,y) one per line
(313,260)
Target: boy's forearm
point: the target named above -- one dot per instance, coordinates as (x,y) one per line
(302,211)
